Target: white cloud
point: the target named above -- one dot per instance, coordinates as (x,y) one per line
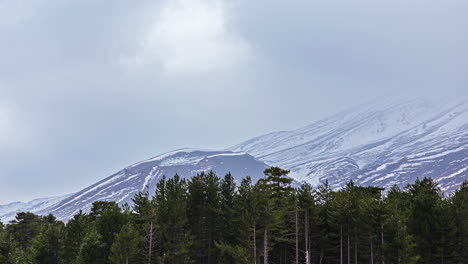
(192,37)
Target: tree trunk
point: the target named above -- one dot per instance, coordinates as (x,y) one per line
(382,241)
(306,236)
(321,255)
(398,238)
(443,243)
(371,250)
(349,250)
(209,246)
(150,250)
(255,243)
(341,244)
(355,247)
(265,246)
(297,239)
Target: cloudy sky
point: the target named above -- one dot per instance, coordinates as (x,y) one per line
(88,87)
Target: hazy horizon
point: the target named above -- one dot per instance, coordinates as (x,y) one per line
(91,87)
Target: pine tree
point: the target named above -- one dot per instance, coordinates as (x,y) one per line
(108,220)
(366,222)
(278,182)
(175,238)
(209,220)
(73,235)
(227,213)
(92,250)
(144,210)
(203,212)
(17,255)
(329,235)
(446,229)
(306,204)
(46,247)
(230,251)
(425,198)
(340,217)
(399,244)
(4,244)
(125,248)
(276,202)
(266,217)
(233,254)
(247,221)
(24,228)
(459,202)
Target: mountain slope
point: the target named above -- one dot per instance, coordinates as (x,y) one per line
(8,211)
(376,144)
(123,185)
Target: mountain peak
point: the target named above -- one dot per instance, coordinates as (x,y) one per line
(381,143)
(123,185)
(353,144)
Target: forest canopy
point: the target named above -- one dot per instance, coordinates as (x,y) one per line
(211,219)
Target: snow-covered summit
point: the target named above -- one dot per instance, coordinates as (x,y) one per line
(374,144)
(8,211)
(378,143)
(123,185)
(357,126)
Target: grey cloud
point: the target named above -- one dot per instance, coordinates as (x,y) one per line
(87,116)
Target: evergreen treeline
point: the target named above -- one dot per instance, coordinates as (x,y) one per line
(211,220)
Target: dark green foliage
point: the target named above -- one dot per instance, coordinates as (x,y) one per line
(204,216)
(459,213)
(227,211)
(277,181)
(92,250)
(424,219)
(4,245)
(24,229)
(46,247)
(211,220)
(73,236)
(125,248)
(309,232)
(174,239)
(234,254)
(144,218)
(277,196)
(108,221)
(399,244)
(246,204)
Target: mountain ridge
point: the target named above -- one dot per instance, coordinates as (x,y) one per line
(310,151)
(124,184)
(373,144)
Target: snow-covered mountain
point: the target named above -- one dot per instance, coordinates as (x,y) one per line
(8,211)
(123,185)
(376,144)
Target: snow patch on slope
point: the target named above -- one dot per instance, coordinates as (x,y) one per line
(373,144)
(123,185)
(8,211)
